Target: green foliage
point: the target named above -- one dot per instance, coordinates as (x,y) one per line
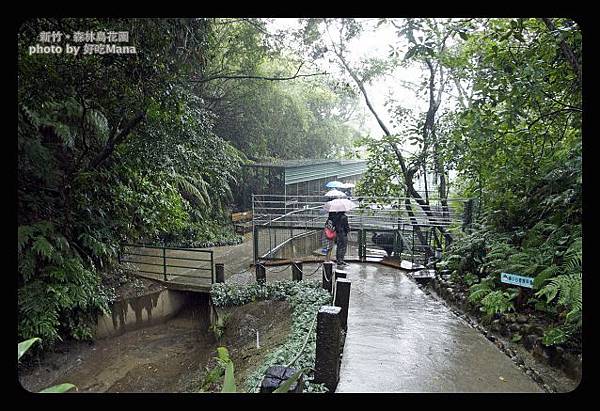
(229,379)
(498,302)
(285,387)
(23,346)
(470,279)
(556,335)
(57,389)
(111,149)
(383,177)
(303,118)
(225,369)
(524,120)
(305,297)
(218,328)
(55,284)
(213,375)
(478,292)
(568,289)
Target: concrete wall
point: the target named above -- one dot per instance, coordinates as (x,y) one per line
(139,312)
(300,246)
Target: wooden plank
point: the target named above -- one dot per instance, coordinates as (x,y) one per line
(241,217)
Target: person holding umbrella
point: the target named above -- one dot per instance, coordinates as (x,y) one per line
(342,228)
(330,224)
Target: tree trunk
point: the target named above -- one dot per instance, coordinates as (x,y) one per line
(566,50)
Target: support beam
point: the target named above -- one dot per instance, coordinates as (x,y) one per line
(254,238)
(261,273)
(220,272)
(297,271)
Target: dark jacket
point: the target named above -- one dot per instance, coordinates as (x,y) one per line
(341,224)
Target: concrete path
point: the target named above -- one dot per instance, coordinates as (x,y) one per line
(402,340)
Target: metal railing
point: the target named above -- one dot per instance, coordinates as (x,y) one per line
(413,231)
(170,264)
(372,212)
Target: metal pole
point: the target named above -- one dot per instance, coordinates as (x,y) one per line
(360,245)
(220,268)
(412,256)
(255,241)
(164,263)
(297,271)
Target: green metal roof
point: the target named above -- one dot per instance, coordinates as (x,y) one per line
(298,171)
(299,163)
(333,169)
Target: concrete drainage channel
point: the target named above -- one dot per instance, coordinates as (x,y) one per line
(158,342)
(135,313)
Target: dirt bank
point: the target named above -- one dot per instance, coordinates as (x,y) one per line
(272,319)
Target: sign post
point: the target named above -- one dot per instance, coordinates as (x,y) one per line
(515,279)
(521,281)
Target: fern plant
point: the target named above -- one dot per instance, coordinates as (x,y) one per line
(498,302)
(57,291)
(566,290)
(478,291)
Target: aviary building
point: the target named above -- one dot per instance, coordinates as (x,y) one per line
(295,177)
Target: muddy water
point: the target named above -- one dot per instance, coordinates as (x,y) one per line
(402,340)
(164,358)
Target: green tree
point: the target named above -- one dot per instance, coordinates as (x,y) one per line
(111,148)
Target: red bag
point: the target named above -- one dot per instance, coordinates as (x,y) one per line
(329,230)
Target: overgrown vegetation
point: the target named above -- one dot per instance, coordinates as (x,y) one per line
(503,112)
(518,151)
(115,149)
(305,297)
(547,247)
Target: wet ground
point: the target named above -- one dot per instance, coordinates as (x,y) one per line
(166,358)
(402,340)
(399,340)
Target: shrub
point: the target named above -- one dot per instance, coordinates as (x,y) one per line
(305,297)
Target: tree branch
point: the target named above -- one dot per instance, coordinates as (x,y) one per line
(116,139)
(567,52)
(237,77)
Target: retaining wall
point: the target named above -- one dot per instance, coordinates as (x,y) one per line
(139,312)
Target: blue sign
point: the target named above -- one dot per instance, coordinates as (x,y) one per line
(516,280)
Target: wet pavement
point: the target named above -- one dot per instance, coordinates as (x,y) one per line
(402,340)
